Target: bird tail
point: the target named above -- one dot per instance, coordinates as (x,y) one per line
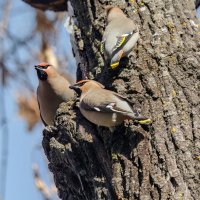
(114,65)
(145,121)
(141,119)
(115,59)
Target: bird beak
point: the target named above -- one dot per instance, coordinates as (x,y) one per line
(76,89)
(38,67)
(72,87)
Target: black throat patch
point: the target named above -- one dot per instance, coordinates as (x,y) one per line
(42,75)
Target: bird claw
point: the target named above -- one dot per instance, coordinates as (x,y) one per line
(78,104)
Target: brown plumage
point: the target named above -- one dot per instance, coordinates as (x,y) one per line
(104,107)
(53,89)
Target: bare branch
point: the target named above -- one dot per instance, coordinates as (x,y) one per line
(58,5)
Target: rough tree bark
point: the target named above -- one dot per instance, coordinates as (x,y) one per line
(161,76)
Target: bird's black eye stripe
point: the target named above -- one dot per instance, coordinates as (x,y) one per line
(42,66)
(80,84)
(45,67)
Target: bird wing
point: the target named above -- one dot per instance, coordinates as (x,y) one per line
(111,102)
(45,124)
(104,101)
(121,41)
(141,119)
(127,100)
(117,33)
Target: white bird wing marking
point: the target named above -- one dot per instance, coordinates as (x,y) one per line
(97,109)
(102,106)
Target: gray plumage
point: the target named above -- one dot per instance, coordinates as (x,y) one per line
(120,35)
(104,107)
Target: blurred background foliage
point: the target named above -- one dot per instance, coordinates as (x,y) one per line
(28,36)
(26,41)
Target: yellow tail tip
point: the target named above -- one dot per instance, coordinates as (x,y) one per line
(114,65)
(146,121)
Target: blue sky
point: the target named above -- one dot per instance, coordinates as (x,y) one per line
(198,12)
(20,184)
(23,145)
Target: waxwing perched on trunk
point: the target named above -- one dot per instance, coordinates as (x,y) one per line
(104,107)
(51,91)
(119,37)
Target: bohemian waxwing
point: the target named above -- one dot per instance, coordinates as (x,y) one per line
(119,37)
(104,107)
(51,91)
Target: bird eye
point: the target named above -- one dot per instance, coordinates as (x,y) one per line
(45,67)
(81,84)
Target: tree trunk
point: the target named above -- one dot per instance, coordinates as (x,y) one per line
(161,76)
